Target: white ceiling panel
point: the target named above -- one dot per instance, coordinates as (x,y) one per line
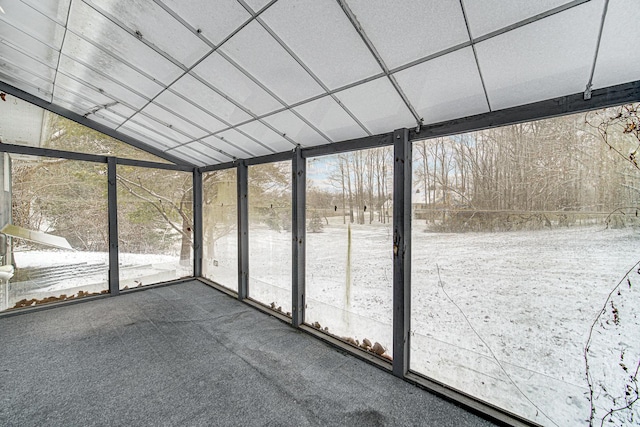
(203,154)
(377,105)
(69,84)
(12,38)
(295,128)
(32,22)
(156,26)
(93,26)
(331,119)
(227,147)
(405,30)
(161,127)
(222,75)
(260,55)
(209,100)
(206,150)
(545,59)
(485,16)
(257,5)
(146,135)
(54,9)
(619,57)
(17,60)
(266,136)
(216,20)
(99,81)
(191,156)
(27,82)
(445,88)
(322,36)
(175,123)
(244,142)
(179,105)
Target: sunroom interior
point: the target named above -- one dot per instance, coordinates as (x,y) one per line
(445,191)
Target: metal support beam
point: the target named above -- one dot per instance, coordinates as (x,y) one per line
(401,251)
(243,231)
(112,195)
(299,169)
(197,223)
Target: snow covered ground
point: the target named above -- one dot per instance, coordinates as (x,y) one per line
(501,316)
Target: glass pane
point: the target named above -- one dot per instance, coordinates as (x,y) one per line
(91,25)
(485,16)
(243,142)
(220,230)
(270,235)
(548,58)
(377,105)
(331,119)
(615,65)
(349,273)
(432,25)
(224,76)
(257,52)
(266,136)
(179,105)
(209,100)
(227,147)
(324,39)
(155,223)
(296,129)
(215,20)
(158,27)
(83,52)
(519,234)
(44,195)
(445,88)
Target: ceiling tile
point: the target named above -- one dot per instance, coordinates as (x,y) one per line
(32,22)
(445,88)
(331,119)
(54,9)
(180,106)
(175,123)
(228,147)
(545,59)
(266,136)
(377,105)
(14,39)
(405,30)
(322,36)
(295,128)
(161,127)
(260,55)
(245,143)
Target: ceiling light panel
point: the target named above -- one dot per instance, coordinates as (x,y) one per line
(485,16)
(32,22)
(260,55)
(444,88)
(407,30)
(295,128)
(156,26)
(214,19)
(331,119)
(545,59)
(103,84)
(322,36)
(377,105)
(618,58)
(225,77)
(197,92)
(244,142)
(182,107)
(93,26)
(228,147)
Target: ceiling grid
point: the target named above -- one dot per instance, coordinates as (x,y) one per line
(210,82)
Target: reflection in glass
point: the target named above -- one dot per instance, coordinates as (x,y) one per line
(54,204)
(220,218)
(155,223)
(270,235)
(519,234)
(349,272)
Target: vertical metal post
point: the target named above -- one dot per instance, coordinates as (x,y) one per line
(298,168)
(243,230)
(112,200)
(197,222)
(401,251)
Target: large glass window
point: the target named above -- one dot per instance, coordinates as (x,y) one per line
(523,237)
(349,272)
(155,225)
(54,223)
(270,239)
(220,219)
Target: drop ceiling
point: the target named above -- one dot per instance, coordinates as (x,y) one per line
(207,82)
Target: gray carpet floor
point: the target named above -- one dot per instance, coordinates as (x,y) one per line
(188,355)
